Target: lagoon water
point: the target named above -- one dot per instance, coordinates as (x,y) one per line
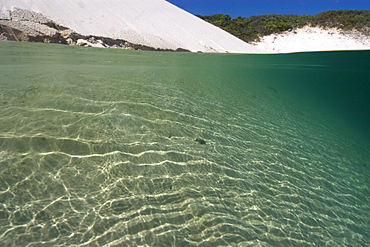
(103,147)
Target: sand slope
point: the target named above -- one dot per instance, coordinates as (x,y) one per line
(313,39)
(154,23)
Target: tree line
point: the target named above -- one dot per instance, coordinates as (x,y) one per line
(251,29)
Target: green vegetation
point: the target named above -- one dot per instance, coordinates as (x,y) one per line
(253,28)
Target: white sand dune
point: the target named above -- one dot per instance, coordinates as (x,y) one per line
(153,23)
(313,39)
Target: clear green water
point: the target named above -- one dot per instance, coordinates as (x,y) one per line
(97,148)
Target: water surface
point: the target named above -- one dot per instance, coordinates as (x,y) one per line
(103,147)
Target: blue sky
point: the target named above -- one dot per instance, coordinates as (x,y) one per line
(248,8)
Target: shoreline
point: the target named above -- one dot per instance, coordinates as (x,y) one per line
(30,26)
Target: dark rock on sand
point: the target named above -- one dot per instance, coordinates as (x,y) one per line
(201,141)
